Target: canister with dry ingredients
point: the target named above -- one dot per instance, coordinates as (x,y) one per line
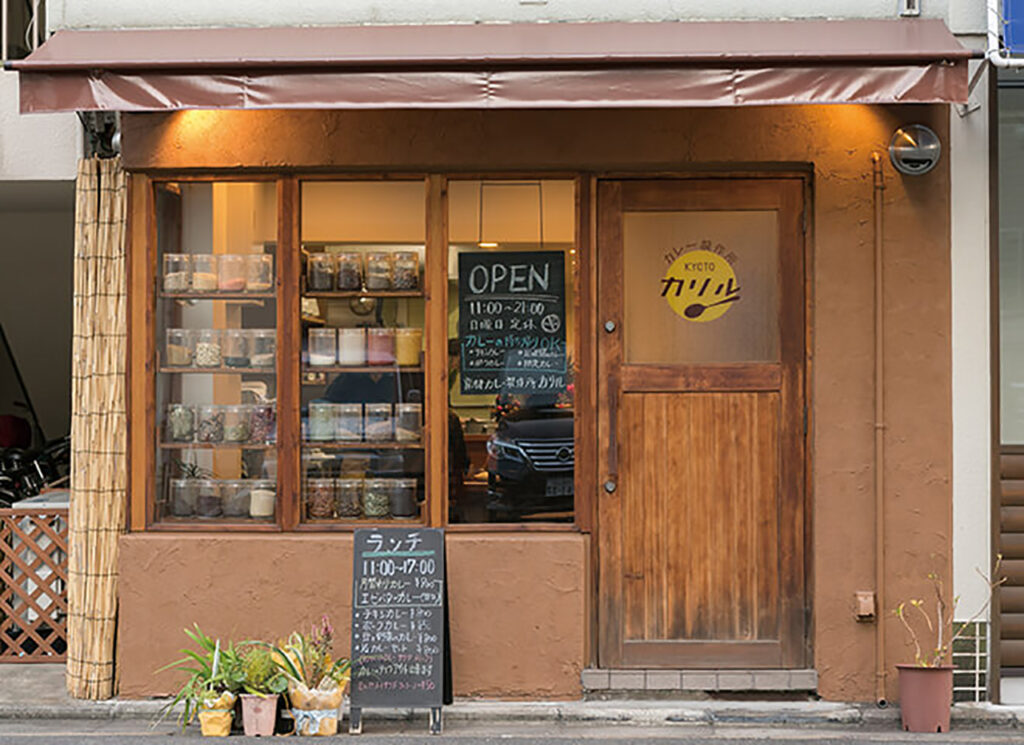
(180,348)
(262,347)
(262,498)
(320,499)
(379,422)
(323,347)
(378,270)
(177,272)
(180,424)
(231,273)
(377,498)
(321,422)
(406,274)
(235,347)
(380,346)
(350,271)
(352,346)
(408,343)
(204,273)
(408,422)
(209,349)
(259,273)
(320,272)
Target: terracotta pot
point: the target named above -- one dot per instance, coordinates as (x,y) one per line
(258,714)
(926,695)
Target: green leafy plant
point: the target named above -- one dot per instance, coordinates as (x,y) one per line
(261,674)
(187,470)
(307,659)
(213,669)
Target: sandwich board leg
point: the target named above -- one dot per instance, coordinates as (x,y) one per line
(435,720)
(355,721)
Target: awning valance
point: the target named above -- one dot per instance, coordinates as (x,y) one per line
(536,65)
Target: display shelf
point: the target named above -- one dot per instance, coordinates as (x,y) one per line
(220,370)
(361,369)
(358,521)
(218,295)
(217,446)
(382,294)
(364,445)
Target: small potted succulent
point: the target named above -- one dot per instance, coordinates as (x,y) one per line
(262,682)
(316,680)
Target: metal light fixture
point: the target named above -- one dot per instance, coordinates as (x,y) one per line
(914,149)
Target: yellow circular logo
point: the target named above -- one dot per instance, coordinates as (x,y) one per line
(700,286)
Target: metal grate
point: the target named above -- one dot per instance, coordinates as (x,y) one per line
(33,585)
(550,455)
(970,663)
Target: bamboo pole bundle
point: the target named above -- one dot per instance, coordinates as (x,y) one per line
(98,444)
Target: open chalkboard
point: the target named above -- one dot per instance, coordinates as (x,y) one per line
(398,621)
(512,322)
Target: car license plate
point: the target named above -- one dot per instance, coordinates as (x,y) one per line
(558,487)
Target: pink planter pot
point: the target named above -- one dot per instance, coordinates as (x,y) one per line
(258,715)
(926,695)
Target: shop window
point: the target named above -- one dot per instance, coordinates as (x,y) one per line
(1011,265)
(511,341)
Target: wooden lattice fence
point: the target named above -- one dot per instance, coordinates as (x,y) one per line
(33,585)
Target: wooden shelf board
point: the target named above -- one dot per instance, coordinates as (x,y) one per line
(383,294)
(384,445)
(361,369)
(215,446)
(218,295)
(221,370)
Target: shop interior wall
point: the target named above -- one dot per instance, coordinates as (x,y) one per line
(836,142)
(36,270)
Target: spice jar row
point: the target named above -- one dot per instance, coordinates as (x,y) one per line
(210,498)
(353,270)
(215,423)
(202,273)
(359,346)
(328,499)
(374,422)
(221,348)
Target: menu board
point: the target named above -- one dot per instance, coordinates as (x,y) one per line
(512,322)
(398,614)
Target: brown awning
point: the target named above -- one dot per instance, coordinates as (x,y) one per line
(532,65)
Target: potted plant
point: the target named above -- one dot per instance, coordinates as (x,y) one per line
(926,687)
(263,681)
(215,677)
(316,681)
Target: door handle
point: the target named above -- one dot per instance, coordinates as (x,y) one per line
(613,428)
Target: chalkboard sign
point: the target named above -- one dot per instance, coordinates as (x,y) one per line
(398,620)
(512,322)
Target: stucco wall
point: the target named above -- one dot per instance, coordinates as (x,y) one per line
(516,603)
(836,142)
(41,147)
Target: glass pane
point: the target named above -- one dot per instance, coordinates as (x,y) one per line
(1011,265)
(511,330)
(701,287)
(217,342)
(362,359)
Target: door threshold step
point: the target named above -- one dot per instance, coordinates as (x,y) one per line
(606,680)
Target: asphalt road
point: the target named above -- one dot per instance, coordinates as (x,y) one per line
(122,732)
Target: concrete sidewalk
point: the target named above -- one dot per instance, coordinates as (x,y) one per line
(38,692)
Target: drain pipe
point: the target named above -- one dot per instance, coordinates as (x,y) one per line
(994,52)
(880,671)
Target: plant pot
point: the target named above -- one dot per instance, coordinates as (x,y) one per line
(316,711)
(926,695)
(258,714)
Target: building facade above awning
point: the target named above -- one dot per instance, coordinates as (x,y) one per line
(537,65)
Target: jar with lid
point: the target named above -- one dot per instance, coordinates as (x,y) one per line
(262,347)
(259,272)
(380,346)
(208,502)
(209,349)
(402,497)
(236,348)
(350,271)
(408,422)
(408,344)
(182,497)
(407,270)
(348,500)
(323,345)
(210,424)
(379,423)
(231,273)
(352,347)
(320,272)
(236,423)
(321,422)
(177,272)
(234,498)
(349,422)
(377,498)
(320,499)
(204,273)
(378,270)
(180,424)
(180,348)
(262,498)
(262,423)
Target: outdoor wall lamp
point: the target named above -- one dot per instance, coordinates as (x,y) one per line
(914,149)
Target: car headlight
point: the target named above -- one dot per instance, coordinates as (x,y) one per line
(505,449)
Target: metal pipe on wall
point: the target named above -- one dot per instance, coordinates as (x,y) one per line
(879,195)
(3,30)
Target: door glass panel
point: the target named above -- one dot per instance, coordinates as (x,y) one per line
(701,286)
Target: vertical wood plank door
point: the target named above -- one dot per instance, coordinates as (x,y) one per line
(702,425)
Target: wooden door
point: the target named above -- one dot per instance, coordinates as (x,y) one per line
(702,423)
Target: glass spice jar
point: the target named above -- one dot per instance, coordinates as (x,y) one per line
(204,273)
(349,422)
(234,498)
(320,272)
(208,502)
(259,272)
(352,347)
(182,497)
(349,271)
(377,498)
(177,272)
(210,427)
(236,423)
(408,344)
(231,273)
(180,423)
(402,497)
(378,270)
(407,270)
(235,348)
(262,423)
(380,346)
(262,498)
(209,348)
(180,348)
(262,347)
(323,344)
(320,499)
(348,497)
(408,422)
(321,422)
(379,423)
